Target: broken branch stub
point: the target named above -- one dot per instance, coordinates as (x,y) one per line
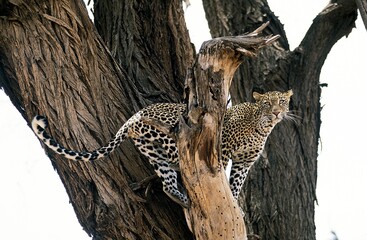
(219,58)
(213,214)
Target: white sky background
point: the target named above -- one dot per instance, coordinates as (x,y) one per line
(34,198)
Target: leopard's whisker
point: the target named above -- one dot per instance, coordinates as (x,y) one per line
(293,117)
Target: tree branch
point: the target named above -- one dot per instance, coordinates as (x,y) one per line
(250,14)
(214,213)
(362,7)
(334,22)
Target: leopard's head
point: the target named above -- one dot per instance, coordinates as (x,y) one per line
(273,105)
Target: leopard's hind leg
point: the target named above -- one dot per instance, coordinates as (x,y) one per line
(163,155)
(165,171)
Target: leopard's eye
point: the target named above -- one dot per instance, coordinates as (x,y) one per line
(281,101)
(267,103)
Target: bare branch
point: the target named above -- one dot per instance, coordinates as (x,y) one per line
(334,22)
(362,6)
(208,85)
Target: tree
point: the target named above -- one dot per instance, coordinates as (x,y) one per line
(281,187)
(53,62)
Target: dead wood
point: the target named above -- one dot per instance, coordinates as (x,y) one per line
(213,214)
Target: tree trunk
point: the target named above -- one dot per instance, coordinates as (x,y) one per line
(279,194)
(53,63)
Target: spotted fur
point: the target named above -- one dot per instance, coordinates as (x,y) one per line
(245,130)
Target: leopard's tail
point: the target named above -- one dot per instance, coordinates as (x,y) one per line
(39,123)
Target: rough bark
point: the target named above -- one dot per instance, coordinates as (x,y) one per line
(214,213)
(279,194)
(151,41)
(54,63)
(362,7)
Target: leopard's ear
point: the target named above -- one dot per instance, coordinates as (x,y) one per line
(289,93)
(257,96)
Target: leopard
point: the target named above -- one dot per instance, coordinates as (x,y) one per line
(246,127)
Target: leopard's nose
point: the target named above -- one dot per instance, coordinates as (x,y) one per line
(276,113)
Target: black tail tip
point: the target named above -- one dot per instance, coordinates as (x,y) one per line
(41,120)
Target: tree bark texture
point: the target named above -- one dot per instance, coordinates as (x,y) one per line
(54,63)
(151,41)
(279,194)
